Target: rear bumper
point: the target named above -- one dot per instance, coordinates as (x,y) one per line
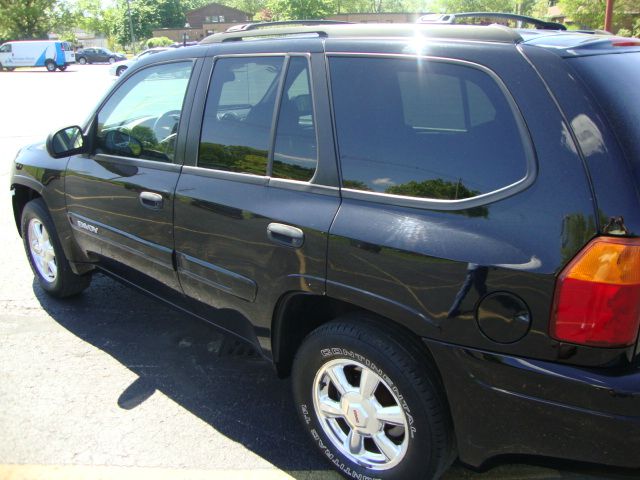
(508,405)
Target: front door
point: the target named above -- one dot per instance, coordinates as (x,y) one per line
(120,197)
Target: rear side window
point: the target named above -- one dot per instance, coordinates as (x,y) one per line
(238,114)
(422,128)
(613,79)
(294,155)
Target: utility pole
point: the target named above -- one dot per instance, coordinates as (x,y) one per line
(608,16)
(133,37)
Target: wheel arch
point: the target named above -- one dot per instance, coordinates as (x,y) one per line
(289,331)
(22,195)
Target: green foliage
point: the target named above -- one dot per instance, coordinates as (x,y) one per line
(624,32)
(145,16)
(457,6)
(300,9)
(26,19)
(159,42)
(590,13)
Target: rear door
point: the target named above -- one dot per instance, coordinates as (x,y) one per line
(120,197)
(254,204)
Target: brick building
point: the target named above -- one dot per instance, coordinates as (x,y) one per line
(204,21)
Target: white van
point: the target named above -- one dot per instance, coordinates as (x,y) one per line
(51,54)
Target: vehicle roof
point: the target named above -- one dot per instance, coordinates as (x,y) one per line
(494,33)
(565,43)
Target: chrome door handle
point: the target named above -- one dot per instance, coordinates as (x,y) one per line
(285,235)
(151,200)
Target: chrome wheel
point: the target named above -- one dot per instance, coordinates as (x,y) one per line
(360,414)
(42,252)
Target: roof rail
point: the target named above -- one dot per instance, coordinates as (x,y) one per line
(372,30)
(258,25)
(453,18)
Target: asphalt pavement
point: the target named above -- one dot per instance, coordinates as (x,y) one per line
(113,385)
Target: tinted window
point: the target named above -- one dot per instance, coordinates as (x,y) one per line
(239,113)
(5,48)
(141,118)
(423,129)
(294,155)
(614,81)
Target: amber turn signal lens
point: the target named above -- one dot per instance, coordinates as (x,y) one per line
(597,297)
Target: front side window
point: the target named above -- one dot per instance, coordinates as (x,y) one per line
(141,118)
(5,48)
(421,128)
(238,114)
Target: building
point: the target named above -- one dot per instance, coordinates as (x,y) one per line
(204,21)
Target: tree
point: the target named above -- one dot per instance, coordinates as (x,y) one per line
(300,9)
(458,6)
(590,13)
(145,16)
(26,19)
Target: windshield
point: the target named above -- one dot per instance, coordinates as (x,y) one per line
(614,81)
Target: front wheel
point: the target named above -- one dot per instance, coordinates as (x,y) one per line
(112,60)
(62,68)
(82,61)
(120,71)
(45,254)
(372,402)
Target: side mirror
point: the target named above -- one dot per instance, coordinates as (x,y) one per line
(66,142)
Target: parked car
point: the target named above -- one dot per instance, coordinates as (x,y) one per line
(443,257)
(98,55)
(118,68)
(51,54)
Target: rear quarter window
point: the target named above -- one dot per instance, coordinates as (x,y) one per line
(614,81)
(424,128)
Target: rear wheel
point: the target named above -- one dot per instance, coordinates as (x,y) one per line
(112,60)
(372,402)
(45,254)
(82,61)
(51,65)
(62,68)
(120,70)
(10,69)
(1,67)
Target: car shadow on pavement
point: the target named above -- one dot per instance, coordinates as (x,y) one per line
(225,383)
(221,380)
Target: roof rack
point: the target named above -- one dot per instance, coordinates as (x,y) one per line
(258,25)
(453,18)
(371,30)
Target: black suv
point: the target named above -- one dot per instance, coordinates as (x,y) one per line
(433,229)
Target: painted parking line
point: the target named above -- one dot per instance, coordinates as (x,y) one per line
(83,472)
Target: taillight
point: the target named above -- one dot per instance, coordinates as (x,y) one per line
(597,297)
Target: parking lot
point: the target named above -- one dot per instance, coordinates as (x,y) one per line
(113,385)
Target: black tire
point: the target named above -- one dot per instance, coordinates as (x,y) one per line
(120,71)
(112,60)
(1,67)
(62,68)
(10,69)
(82,61)
(406,380)
(50,65)
(65,283)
